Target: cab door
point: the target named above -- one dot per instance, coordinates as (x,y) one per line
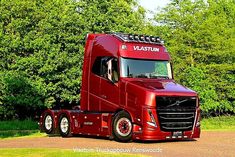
(109,86)
(94,86)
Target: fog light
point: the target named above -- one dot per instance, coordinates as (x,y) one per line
(198,124)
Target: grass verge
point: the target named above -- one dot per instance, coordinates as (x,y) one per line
(27,124)
(20,133)
(222,123)
(29,152)
(16,128)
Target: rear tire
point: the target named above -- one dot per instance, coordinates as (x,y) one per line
(64,126)
(122,127)
(48,123)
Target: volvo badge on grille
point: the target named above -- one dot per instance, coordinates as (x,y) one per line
(177,103)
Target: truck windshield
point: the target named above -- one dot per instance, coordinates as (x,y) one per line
(139,68)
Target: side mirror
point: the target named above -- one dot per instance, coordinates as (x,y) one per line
(112,75)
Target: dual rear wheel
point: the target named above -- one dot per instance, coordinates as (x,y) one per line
(63,125)
(48,123)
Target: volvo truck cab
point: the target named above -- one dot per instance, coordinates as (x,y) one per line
(128,92)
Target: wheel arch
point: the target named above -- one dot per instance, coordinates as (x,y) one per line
(124,110)
(64,112)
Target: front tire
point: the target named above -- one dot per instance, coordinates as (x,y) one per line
(64,126)
(122,127)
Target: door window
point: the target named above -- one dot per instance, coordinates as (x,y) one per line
(106,67)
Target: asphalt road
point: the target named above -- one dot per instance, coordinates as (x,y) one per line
(211,144)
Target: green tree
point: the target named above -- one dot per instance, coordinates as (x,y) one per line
(200,36)
(112,16)
(20,98)
(41,43)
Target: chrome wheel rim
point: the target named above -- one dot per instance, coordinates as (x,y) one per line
(48,122)
(123,126)
(64,125)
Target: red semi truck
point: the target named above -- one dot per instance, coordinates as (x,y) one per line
(128,92)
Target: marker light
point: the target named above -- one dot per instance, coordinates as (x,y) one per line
(125,37)
(136,37)
(141,37)
(198,124)
(152,39)
(158,39)
(147,38)
(131,37)
(124,47)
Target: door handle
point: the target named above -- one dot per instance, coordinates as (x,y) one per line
(103,96)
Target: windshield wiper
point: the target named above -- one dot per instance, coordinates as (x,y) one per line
(141,76)
(165,77)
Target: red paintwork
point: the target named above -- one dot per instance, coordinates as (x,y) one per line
(130,94)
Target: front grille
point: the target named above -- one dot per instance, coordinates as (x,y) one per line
(176,113)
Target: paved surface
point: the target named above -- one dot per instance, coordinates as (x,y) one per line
(210,144)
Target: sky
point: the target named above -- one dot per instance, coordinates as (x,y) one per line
(153,5)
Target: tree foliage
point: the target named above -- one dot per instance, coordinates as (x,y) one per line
(201,36)
(41,47)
